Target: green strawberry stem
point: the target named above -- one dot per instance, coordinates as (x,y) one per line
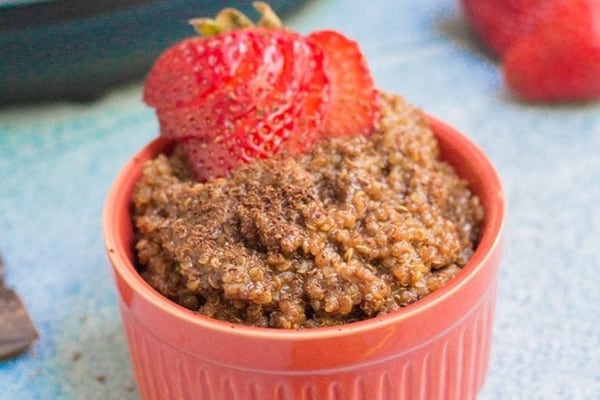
(230,19)
(268,18)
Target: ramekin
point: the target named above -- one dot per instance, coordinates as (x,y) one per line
(436,348)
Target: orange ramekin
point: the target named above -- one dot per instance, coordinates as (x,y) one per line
(436,348)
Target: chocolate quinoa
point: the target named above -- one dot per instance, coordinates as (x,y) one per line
(359,227)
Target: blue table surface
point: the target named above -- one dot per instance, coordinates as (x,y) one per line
(57,161)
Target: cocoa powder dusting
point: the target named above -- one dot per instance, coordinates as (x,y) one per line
(359,227)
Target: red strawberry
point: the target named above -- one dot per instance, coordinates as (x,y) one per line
(178,78)
(353,103)
(559,60)
(303,74)
(278,119)
(500,23)
(232,72)
(271,95)
(210,156)
(255,91)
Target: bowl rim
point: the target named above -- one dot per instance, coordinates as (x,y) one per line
(491,239)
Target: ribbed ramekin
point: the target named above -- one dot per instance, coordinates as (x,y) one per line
(436,348)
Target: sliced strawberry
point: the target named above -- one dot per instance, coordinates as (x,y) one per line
(222,77)
(313,99)
(311,85)
(213,115)
(196,67)
(296,73)
(252,137)
(353,104)
(253,92)
(259,115)
(559,60)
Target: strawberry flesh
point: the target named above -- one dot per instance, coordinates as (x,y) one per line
(203,83)
(258,112)
(312,94)
(197,67)
(353,103)
(252,138)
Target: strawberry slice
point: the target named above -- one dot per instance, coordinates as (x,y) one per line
(255,91)
(559,60)
(213,115)
(302,67)
(201,83)
(306,63)
(352,108)
(263,113)
(283,125)
(252,137)
(199,66)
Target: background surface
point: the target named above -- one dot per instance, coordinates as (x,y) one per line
(57,160)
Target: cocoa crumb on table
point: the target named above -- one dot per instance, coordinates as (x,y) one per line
(359,227)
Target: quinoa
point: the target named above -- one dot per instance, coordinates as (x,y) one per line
(359,227)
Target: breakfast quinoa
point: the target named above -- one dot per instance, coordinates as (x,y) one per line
(359,227)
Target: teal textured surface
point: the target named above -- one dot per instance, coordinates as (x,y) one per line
(58,160)
(73,49)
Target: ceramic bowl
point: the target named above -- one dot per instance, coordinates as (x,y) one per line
(436,348)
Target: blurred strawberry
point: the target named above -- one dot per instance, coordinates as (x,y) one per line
(500,23)
(559,60)
(550,48)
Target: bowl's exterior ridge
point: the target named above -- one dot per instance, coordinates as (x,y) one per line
(453,367)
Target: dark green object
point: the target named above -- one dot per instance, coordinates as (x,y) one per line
(77,49)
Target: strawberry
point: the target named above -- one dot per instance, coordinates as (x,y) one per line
(247,92)
(272,120)
(185,72)
(314,95)
(241,104)
(549,48)
(500,23)
(200,83)
(209,156)
(559,60)
(352,107)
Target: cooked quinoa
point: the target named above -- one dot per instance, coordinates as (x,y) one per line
(359,227)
